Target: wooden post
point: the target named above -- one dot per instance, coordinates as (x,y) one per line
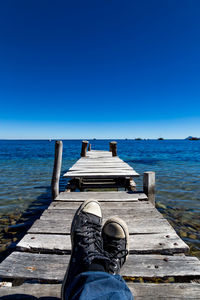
(110,148)
(89,147)
(113,146)
(56,169)
(84,148)
(149,186)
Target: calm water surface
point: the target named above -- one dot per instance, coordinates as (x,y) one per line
(26,169)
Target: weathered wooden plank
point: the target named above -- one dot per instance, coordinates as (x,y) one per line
(105,164)
(88,174)
(140,291)
(137,212)
(45,243)
(161,266)
(96,152)
(100,169)
(102,155)
(118,206)
(100,161)
(138,226)
(112,159)
(34,266)
(102,164)
(104,205)
(175,291)
(141,243)
(108,170)
(101,196)
(67,217)
(49,291)
(53,267)
(91,163)
(100,158)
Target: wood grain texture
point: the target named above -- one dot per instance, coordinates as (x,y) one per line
(100,169)
(139,226)
(53,267)
(101,196)
(142,243)
(126,214)
(175,291)
(140,291)
(98,164)
(34,266)
(104,205)
(138,210)
(38,291)
(73,174)
(45,243)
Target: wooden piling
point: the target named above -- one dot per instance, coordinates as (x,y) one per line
(56,169)
(84,148)
(89,147)
(149,186)
(113,148)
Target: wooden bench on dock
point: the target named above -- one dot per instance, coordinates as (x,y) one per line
(156,251)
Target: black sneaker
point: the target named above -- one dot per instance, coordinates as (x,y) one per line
(87,244)
(115,242)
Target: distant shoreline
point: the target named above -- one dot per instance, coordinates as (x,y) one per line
(106,139)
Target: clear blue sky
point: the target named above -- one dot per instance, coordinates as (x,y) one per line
(104,69)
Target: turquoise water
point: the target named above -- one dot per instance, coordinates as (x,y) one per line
(26,169)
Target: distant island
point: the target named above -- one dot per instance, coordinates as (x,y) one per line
(192,138)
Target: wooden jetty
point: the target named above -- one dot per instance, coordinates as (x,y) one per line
(37,266)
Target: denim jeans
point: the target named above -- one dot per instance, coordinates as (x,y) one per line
(96,285)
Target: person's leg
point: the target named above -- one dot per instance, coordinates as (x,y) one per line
(95,285)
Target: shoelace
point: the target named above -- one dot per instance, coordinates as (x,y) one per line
(115,260)
(115,253)
(91,234)
(119,254)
